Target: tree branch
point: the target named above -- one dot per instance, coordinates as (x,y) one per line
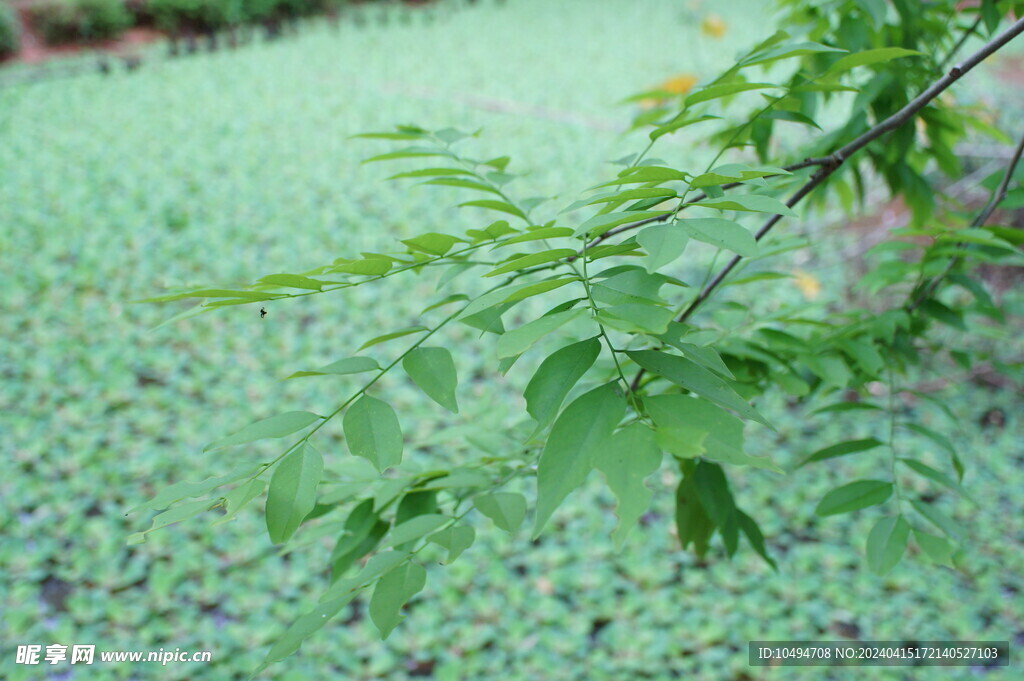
(960,43)
(830,164)
(806,163)
(927,290)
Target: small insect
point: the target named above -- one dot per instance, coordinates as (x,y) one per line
(263,312)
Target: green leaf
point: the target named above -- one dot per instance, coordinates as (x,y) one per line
(303,628)
(568,455)
(431,172)
(358,525)
(556,376)
(349,548)
(992,14)
(373,432)
(393,591)
(608,250)
(792,116)
(944,314)
(724,90)
(695,378)
(755,203)
(705,356)
(865,354)
(886,544)
(376,566)
(630,194)
(868,57)
(842,449)
(830,368)
(721,233)
(409,152)
(500,206)
(938,519)
(786,52)
(713,491)
(489,320)
(455,540)
(936,548)
(416,503)
(293,281)
(456,479)
(848,406)
(537,289)
(753,533)
(500,162)
(181,490)
(292,492)
(876,9)
(390,135)
(633,285)
(735,172)
(689,426)
(532,260)
(416,528)
(491,299)
(936,437)
(447,300)
(537,235)
(682,442)
(170,516)
(273,427)
(637,318)
(854,496)
(373,267)
(211,293)
(646,174)
(663,243)
(626,459)
(464,184)
(603,222)
(349,365)
(941,478)
(692,522)
(506,509)
(381,564)
(679,122)
(238,498)
(432,243)
(433,370)
(519,340)
(450,135)
(394,334)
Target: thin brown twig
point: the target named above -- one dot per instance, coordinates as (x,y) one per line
(806,163)
(838,157)
(927,290)
(960,43)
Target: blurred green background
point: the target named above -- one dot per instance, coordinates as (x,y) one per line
(220,168)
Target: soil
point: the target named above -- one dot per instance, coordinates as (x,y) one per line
(34,49)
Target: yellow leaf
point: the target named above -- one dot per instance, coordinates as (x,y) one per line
(676,85)
(808,284)
(680,85)
(714,26)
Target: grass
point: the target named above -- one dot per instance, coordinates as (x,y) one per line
(224,167)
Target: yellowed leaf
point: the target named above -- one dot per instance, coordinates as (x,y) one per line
(680,85)
(677,85)
(714,26)
(808,284)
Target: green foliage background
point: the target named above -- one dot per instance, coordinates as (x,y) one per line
(222,167)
